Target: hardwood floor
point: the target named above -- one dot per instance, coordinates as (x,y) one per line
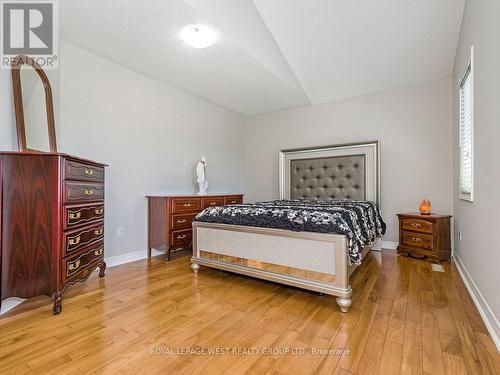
(151,316)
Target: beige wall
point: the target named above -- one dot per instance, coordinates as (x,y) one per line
(412,123)
(149,133)
(479,221)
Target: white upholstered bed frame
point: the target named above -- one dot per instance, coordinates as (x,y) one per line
(313,261)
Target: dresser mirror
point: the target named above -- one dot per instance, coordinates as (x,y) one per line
(33,106)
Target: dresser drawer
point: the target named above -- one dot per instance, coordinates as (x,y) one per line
(82,192)
(417,225)
(423,241)
(181,221)
(180,205)
(82,214)
(233,199)
(74,170)
(212,202)
(79,238)
(80,265)
(181,238)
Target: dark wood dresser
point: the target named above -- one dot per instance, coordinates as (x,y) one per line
(52,223)
(170,218)
(425,236)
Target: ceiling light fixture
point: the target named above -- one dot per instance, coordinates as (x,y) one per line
(198,36)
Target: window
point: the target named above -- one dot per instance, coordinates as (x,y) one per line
(466,144)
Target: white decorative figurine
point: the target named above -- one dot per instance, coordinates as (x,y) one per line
(201,170)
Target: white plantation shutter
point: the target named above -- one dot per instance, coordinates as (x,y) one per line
(466,135)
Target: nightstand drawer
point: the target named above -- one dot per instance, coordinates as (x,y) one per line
(417,225)
(423,241)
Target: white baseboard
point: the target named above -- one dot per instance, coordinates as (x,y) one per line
(10,303)
(489,319)
(386,245)
(130,257)
(390,245)
(377,246)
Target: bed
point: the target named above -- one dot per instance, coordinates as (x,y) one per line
(290,241)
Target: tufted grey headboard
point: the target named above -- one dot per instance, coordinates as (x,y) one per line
(349,171)
(336,177)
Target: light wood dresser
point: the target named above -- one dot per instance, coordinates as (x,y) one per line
(425,236)
(52,223)
(170,218)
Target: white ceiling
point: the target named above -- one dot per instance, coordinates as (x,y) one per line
(273,54)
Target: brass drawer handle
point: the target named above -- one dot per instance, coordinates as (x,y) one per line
(99,231)
(213,203)
(98,252)
(232,202)
(416,225)
(99,211)
(88,192)
(180,221)
(182,236)
(187,204)
(74,266)
(74,241)
(416,239)
(88,172)
(74,215)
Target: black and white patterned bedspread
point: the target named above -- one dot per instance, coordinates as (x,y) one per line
(360,221)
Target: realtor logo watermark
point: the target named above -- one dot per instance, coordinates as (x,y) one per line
(29,28)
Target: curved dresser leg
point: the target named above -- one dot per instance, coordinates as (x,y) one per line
(195,267)
(344,304)
(57,297)
(102,269)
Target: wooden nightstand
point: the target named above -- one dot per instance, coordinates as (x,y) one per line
(425,236)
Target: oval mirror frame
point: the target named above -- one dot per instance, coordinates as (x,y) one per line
(17,63)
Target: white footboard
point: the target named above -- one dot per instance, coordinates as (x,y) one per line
(313,261)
